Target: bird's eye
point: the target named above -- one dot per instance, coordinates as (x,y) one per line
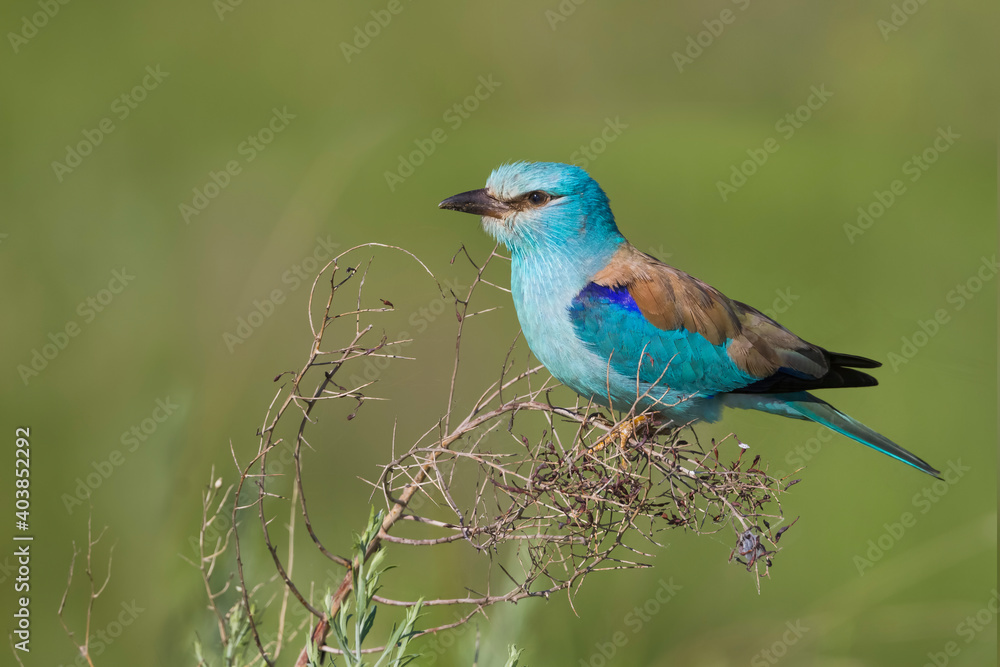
(537,198)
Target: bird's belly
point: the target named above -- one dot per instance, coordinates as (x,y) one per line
(549,333)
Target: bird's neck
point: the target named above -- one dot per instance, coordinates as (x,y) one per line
(558,273)
(543,287)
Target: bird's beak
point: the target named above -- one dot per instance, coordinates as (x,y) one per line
(478,202)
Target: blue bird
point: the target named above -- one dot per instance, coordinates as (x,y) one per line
(618,326)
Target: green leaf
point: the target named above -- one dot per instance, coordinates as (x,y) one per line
(368,622)
(515,654)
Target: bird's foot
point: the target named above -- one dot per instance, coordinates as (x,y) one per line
(621,433)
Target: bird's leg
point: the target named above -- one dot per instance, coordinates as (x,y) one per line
(621,433)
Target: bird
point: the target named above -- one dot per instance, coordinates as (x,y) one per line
(622,328)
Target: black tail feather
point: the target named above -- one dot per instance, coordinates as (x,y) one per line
(842,373)
(852,361)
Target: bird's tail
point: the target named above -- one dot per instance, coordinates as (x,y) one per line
(805,406)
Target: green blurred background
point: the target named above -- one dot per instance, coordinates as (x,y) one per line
(559,73)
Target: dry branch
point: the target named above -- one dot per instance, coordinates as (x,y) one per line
(583,493)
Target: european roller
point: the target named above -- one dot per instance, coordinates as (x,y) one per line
(623,329)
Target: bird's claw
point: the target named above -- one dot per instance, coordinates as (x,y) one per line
(622,432)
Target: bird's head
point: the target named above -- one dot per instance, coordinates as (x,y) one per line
(542,207)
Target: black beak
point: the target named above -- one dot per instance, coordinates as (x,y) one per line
(478,202)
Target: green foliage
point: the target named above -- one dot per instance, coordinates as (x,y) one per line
(236,651)
(358,625)
(515,654)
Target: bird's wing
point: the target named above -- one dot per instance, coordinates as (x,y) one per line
(669,328)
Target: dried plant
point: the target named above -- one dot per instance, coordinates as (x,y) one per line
(95,591)
(561,491)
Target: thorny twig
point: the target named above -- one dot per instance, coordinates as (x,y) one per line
(581,495)
(95,590)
